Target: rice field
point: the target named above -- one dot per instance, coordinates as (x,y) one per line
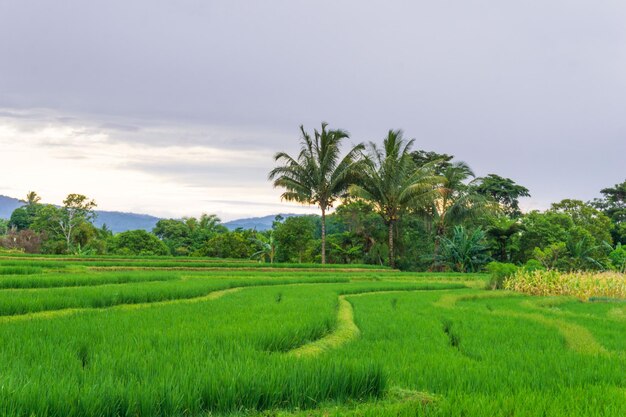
(147,337)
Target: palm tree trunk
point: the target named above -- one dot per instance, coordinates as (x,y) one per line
(392,259)
(323,235)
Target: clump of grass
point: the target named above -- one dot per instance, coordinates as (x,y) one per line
(583,285)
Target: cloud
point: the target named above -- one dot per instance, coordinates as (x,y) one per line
(534,91)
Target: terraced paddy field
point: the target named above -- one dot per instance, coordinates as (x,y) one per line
(171,337)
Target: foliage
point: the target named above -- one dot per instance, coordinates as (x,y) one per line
(235,245)
(266,244)
(392,182)
(137,242)
(464,251)
(618,258)
(502,230)
(504,191)
(439,161)
(62,223)
(499,273)
(533,265)
(4,226)
(293,238)
(613,205)
(188,235)
(587,217)
(318,175)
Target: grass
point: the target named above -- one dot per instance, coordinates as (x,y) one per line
(235,341)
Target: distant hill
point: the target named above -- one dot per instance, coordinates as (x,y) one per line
(115,220)
(258,223)
(119,221)
(7,205)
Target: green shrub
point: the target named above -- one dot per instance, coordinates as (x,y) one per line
(499,272)
(533,265)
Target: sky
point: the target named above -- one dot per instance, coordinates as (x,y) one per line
(176,108)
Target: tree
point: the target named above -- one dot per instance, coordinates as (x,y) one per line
(502,230)
(613,204)
(65,220)
(235,244)
(504,191)
(189,235)
(23,217)
(267,246)
(137,242)
(32,198)
(439,161)
(587,217)
(392,182)
(293,237)
(464,251)
(540,231)
(318,176)
(456,200)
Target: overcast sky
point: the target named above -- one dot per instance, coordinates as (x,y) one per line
(176,107)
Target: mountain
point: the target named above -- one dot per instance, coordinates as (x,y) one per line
(115,220)
(119,221)
(258,223)
(7,205)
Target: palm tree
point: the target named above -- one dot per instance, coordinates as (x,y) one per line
(32,198)
(318,175)
(456,200)
(392,182)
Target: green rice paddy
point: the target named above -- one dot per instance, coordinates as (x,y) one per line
(149,337)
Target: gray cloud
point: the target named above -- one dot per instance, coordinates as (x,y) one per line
(532,90)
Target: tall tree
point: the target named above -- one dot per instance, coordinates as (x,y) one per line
(613,204)
(64,221)
(318,175)
(456,200)
(504,191)
(23,217)
(391,181)
(440,161)
(31,199)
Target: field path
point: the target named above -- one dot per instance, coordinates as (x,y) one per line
(346,329)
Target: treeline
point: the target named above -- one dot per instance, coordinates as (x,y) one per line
(392,205)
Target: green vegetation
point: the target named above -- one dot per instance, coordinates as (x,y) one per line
(234,340)
(412,210)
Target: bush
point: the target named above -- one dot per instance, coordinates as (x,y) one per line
(499,273)
(137,242)
(533,265)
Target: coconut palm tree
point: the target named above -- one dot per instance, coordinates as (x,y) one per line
(392,182)
(32,198)
(318,175)
(456,201)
